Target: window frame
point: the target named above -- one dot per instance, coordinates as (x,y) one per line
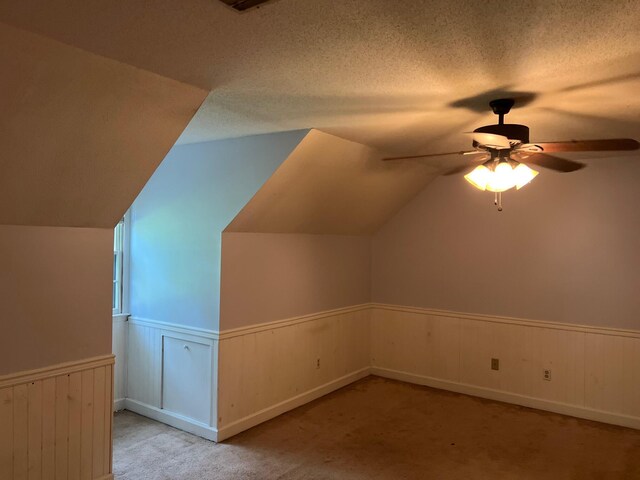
(121,265)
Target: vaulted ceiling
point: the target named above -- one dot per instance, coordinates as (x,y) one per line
(329,185)
(80,134)
(95,93)
(403,75)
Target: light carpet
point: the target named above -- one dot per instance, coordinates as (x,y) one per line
(384,429)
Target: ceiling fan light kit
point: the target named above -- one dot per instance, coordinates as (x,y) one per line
(502,147)
(501,173)
(501,176)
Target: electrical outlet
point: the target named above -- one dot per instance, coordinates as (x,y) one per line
(546,374)
(318,363)
(495,364)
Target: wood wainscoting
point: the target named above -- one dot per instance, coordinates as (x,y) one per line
(594,371)
(270,368)
(171,374)
(217,384)
(119,349)
(56,422)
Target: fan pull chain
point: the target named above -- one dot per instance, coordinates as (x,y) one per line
(498,200)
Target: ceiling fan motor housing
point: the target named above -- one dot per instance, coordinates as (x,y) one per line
(512,131)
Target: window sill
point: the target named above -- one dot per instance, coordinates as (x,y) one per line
(120,317)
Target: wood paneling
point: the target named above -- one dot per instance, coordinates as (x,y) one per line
(408,341)
(6,433)
(75,424)
(119,349)
(186,378)
(57,426)
(144,357)
(20,432)
(34,429)
(157,390)
(99,405)
(62,427)
(269,368)
(263,368)
(86,422)
(592,369)
(48,428)
(612,367)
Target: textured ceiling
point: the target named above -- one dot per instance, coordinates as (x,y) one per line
(329,185)
(402,75)
(80,134)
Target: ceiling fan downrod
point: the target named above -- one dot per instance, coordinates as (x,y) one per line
(501,107)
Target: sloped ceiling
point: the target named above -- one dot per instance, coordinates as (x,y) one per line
(329,185)
(397,77)
(80,134)
(402,75)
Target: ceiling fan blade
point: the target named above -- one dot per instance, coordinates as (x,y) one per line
(607,145)
(490,140)
(412,157)
(554,163)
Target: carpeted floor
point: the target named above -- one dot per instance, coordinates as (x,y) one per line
(382,429)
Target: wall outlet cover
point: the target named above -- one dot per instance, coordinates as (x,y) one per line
(495,364)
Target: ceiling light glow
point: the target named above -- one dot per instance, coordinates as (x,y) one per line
(500,176)
(523,175)
(479,177)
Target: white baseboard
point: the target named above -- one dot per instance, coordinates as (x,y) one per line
(501,396)
(174,419)
(119,404)
(278,409)
(210,433)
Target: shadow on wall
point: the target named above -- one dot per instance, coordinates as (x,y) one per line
(564,248)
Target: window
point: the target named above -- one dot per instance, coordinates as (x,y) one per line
(120,295)
(118,261)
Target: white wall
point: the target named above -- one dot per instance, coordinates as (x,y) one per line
(178,218)
(267,277)
(564,249)
(55,292)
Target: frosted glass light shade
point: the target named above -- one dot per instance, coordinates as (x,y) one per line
(479,177)
(523,175)
(500,178)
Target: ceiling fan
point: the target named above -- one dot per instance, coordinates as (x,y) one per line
(499,152)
